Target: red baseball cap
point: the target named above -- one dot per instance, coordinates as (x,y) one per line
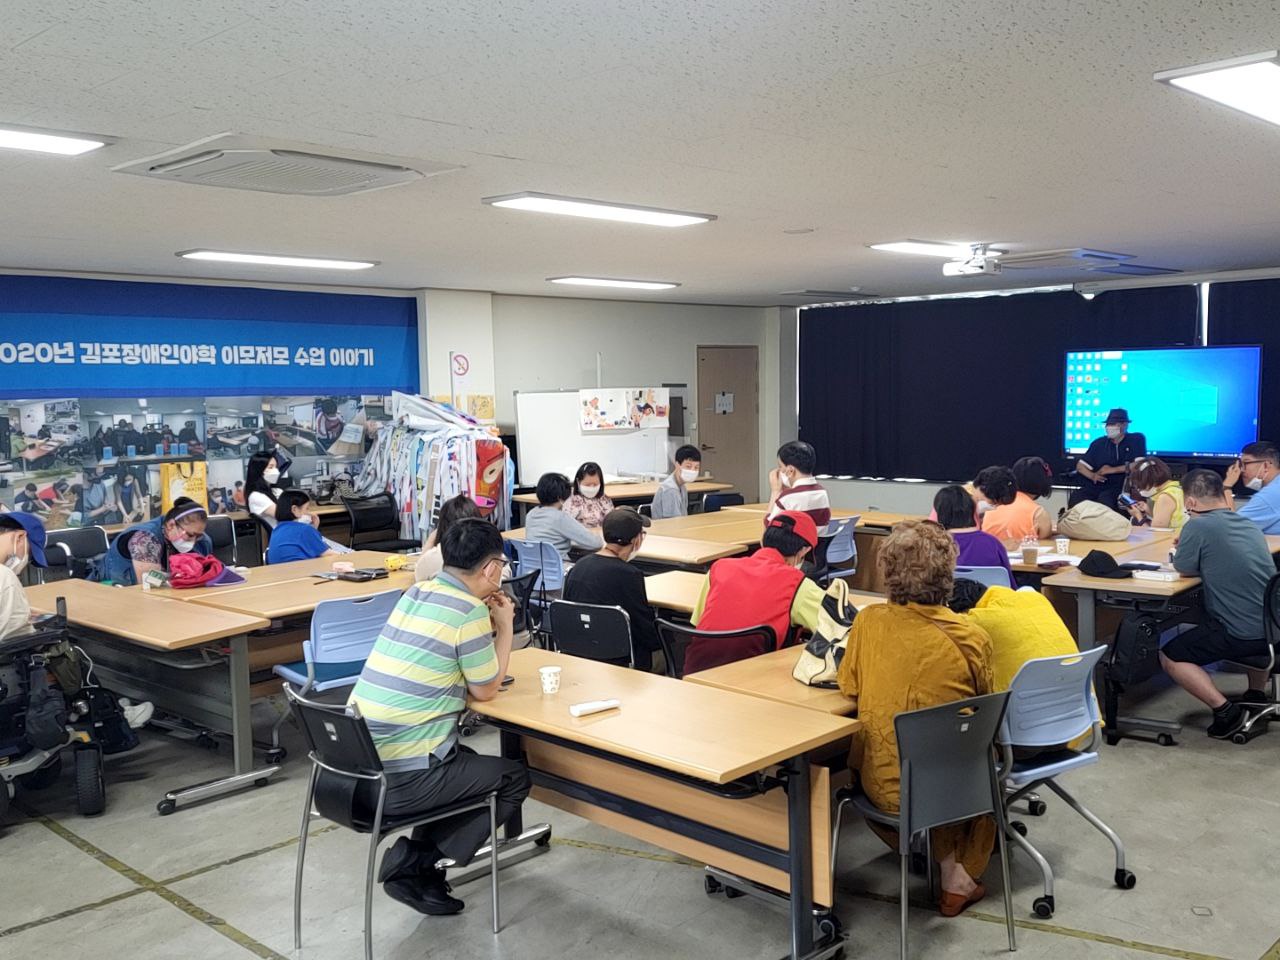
(799,523)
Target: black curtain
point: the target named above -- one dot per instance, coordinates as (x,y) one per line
(939,389)
(1246,313)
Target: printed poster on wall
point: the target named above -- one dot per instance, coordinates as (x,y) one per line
(649,407)
(605,409)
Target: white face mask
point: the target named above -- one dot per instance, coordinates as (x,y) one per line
(184,546)
(785,479)
(17,563)
(305,518)
(1255,484)
(271,474)
(1115,432)
(688,476)
(1147,493)
(589,492)
(984,506)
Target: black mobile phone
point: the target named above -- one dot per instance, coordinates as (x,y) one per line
(508,681)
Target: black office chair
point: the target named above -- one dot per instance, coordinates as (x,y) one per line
(222,531)
(645,510)
(71,553)
(349,788)
(1261,714)
(592,631)
(817,568)
(263,529)
(521,590)
(377,517)
(715,647)
(715,502)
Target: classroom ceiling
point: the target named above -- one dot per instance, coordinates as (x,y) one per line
(1032,123)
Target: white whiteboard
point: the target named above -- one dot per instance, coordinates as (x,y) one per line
(549,439)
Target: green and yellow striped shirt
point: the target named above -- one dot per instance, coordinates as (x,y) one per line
(413,687)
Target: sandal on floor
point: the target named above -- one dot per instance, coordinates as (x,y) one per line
(953,904)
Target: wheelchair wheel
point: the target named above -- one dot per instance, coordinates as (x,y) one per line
(91,788)
(44,777)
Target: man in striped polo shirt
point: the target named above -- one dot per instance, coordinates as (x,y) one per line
(793,488)
(446,638)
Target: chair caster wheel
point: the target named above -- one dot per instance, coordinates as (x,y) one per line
(1165,740)
(1019,827)
(711,885)
(829,927)
(733,894)
(1043,907)
(467,731)
(1037,808)
(1125,879)
(166,807)
(276,755)
(543,842)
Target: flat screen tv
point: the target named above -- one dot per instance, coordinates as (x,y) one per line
(1193,402)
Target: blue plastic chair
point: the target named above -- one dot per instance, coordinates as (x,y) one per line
(343,633)
(841,548)
(542,557)
(715,502)
(987,576)
(1051,702)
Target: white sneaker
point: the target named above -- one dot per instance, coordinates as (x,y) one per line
(137,715)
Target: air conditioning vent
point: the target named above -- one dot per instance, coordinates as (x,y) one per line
(238,163)
(1069,259)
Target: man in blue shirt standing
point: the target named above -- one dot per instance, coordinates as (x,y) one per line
(1258,467)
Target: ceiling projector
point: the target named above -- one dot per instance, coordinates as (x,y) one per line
(977,265)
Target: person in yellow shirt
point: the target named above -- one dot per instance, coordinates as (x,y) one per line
(1161,501)
(907,654)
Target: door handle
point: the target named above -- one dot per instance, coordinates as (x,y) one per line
(704,446)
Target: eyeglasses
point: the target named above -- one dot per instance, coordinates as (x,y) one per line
(1250,463)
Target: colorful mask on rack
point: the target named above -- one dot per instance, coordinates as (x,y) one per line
(491,462)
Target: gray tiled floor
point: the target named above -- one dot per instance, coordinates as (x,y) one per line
(1199,821)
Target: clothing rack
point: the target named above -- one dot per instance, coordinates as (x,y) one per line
(431,453)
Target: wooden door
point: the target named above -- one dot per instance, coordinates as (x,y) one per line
(729,416)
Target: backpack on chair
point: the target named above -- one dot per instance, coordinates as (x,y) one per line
(819,661)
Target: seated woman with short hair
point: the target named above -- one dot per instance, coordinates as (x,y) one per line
(954,509)
(907,654)
(1024,517)
(1161,503)
(295,538)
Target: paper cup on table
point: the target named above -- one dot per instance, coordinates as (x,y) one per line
(1061,544)
(1031,555)
(550,677)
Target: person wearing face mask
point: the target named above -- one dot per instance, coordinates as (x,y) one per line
(793,488)
(132,502)
(1161,502)
(767,587)
(295,538)
(588,504)
(262,486)
(447,638)
(100,503)
(1106,462)
(607,577)
(22,540)
(1231,557)
(671,499)
(1258,467)
(144,547)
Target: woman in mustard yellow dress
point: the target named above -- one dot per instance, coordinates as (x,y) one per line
(907,654)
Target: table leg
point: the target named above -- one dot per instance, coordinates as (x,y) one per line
(1086,620)
(241,740)
(800,857)
(512,750)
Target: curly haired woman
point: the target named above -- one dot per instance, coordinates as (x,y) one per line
(907,654)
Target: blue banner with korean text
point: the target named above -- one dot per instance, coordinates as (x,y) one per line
(64,337)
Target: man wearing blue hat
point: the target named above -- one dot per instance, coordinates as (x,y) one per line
(21,542)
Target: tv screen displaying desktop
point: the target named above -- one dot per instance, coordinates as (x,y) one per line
(1187,401)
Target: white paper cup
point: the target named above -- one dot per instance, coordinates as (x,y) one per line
(550,677)
(1062,544)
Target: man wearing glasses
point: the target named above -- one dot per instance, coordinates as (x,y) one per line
(1258,467)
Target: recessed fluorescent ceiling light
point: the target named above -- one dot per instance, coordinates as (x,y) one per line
(42,141)
(1250,84)
(597,209)
(271,260)
(609,282)
(927,248)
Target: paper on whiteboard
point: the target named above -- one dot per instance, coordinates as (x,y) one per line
(604,410)
(649,407)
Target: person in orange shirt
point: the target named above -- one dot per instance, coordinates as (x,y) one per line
(1024,517)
